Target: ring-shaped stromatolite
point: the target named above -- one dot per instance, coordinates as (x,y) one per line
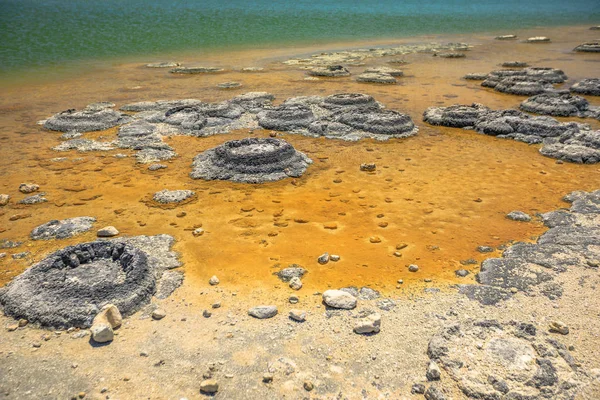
(349,100)
(286,117)
(250,160)
(558,105)
(69,287)
(381,122)
(456,116)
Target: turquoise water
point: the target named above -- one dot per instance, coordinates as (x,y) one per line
(36,33)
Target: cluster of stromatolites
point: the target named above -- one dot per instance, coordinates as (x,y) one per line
(70,286)
(251,160)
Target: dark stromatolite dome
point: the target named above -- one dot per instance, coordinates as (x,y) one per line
(456,116)
(69,287)
(582,147)
(587,86)
(349,100)
(377,121)
(92,118)
(558,104)
(286,117)
(329,71)
(523,86)
(250,160)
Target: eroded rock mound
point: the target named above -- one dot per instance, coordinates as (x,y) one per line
(196,70)
(589,47)
(331,71)
(571,241)
(173,196)
(95,117)
(456,116)
(487,359)
(587,86)
(70,286)
(582,147)
(560,105)
(376,77)
(62,229)
(525,82)
(286,117)
(251,160)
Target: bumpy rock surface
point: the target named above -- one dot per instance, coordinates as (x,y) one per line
(331,71)
(95,117)
(506,37)
(195,70)
(571,242)
(587,86)
(251,160)
(70,287)
(163,64)
(569,141)
(173,196)
(385,70)
(62,229)
(589,47)
(376,77)
(560,105)
(526,82)
(538,39)
(487,359)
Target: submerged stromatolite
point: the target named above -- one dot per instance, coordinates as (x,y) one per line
(560,105)
(251,160)
(587,86)
(70,286)
(95,117)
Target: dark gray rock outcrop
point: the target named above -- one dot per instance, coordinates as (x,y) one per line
(251,160)
(173,196)
(70,286)
(560,105)
(587,86)
(525,82)
(331,71)
(286,117)
(588,47)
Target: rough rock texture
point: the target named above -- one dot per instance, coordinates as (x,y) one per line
(173,196)
(70,286)
(251,160)
(506,37)
(571,242)
(286,117)
(339,299)
(514,64)
(560,105)
(450,55)
(376,77)
(476,76)
(537,39)
(589,47)
(569,141)
(385,70)
(587,86)
(329,71)
(35,199)
(518,216)
(526,82)
(487,359)
(95,117)
(62,229)
(196,70)
(287,274)
(163,64)
(263,312)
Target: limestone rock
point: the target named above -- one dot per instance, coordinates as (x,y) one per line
(339,299)
(209,386)
(4,198)
(298,315)
(213,281)
(173,196)
(28,188)
(518,216)
(295,283)
(62,229)
(263,312)
(370,324)
(108,231)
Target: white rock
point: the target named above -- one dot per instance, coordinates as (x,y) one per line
(298,315)
(296,283)
(107,231)
(370,324)
(339,299)
(433,372)
(4,198)
(214,280)
(102,332)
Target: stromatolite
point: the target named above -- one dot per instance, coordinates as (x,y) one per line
(70,286)
(587,86)
(331,71)
(589,47)
(95,117)
(250,160)
(560,105)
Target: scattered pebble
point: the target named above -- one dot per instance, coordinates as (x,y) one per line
(108,231)
(214,280)
(558,327)
(295,283)
(323,259)
(413,268)
(159,314)
(298,315)
(209,386)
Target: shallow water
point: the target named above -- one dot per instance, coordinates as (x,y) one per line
(427,188)
(47,34)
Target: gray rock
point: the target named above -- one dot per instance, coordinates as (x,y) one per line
(538,39)
(369,324)
(263,312)
(28,188)
(413,268)
(329,71)
(293,271)
(286,117)
(476,76)
(450,55)
(173,196)
(209,386)
(70,286)
(385,70)
(213,281)
(339,299)
(229,85)
(506,37)
(20,256)
(62,229)
(35,199)
(560,105)
(588,47)
(107,231)
(518,216)
(168,283)
(433,371)
(298,315)
(156,167)
(84,145)
(196,70)
(456,116)
(375,77)
(323,259)
(461,273)
(587,86)
(92,118)
(9,244)
(251,160)
(158,314)
(485,249)
(514,64)
(434,393)
(295,283)
(163,64)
